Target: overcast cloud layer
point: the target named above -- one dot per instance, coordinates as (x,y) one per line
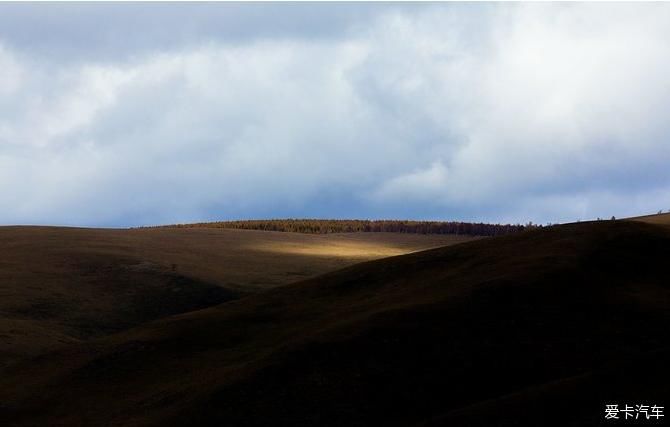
(131,114)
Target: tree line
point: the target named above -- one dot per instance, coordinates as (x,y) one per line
(325,226)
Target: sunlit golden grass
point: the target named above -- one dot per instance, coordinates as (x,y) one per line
(340,246)
(328,250)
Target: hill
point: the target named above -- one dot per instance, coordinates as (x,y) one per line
(543,327)
(63,285)
(660,219)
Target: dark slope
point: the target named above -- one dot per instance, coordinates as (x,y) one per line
(63,285)
(539,328)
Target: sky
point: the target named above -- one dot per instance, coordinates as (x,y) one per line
(128,114)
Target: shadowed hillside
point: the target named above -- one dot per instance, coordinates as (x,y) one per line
(538,328)
(64,285)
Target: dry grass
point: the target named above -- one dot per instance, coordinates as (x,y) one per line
(59,285)
(659,219)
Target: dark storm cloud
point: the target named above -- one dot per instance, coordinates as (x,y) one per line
(102,31)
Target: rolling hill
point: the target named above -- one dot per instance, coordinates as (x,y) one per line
(660,219)
(63,285)
(544,327)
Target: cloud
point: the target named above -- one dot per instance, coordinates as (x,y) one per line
(539,112)
(420,186)
(115,32)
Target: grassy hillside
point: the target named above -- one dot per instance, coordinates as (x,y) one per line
(660,219)
(538,328)
(64,285)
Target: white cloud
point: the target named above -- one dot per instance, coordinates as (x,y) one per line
(10,72)
(468,111)
(420,186)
